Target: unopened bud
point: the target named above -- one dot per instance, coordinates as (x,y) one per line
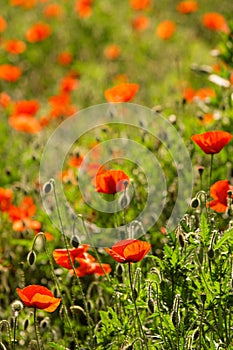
(203,298)
(151,305)
(75,241)
(47,188)
(26,324)
(195,203)
(134,294)
(211,253)
(31,257)
(17,306)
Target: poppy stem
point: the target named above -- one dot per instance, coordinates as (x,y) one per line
(211,170)
(133,292)
(36,330)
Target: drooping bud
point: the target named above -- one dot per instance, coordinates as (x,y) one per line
(195,203)
(47,188)
(151,305)
(31,257)
(75,241)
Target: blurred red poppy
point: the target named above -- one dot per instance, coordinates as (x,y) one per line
(215,21)
(26,107)
(83,8)
(112,51)
(68,83)
(165,29)
(65,58)
(211,142)
(38,32)
(89,267)
(129,250)
(219,193)
(23,3)
(140,4)
(206,119)
(61,105)
(5,99)
(140,23)
(62,258)
(23,123)
(111,181)
(9,72)
(14,46)
(6,196)
(3,24)
(123,92)
(39,297)
(186,7)
(52,10)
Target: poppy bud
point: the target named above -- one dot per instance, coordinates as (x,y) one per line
(17,306)
(151,305)
(124,200)
(31,257)
(26,324)
(75,241)
(203,298)
(195,203)
(47,188)
(211,253)
(134,293)
(119,270)
(44,323)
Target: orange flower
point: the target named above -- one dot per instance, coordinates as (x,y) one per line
(24,3)
(83,8)
(215,21)
(188,94)
(38,297)
(6,196)
(14,46)
(62,258)
(5,99)
(165,29)
(206,118)
(141,23)
(65,58)
(211,142)
(111,52)
(26,107)
(75,161)
(123,92)
(111,181)
(23,123)
(38,32)
(60,106)
(3,24)
(9,72)
(140,4)
(68,84)
(187,7)
(205,93)
(52,10)
(129,250)
(89,267)
(219,191)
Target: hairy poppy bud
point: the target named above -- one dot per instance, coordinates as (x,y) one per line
(47,188)
(75,241)
(195,203)
(151,305)
(31,257)
(26,324)
(211,253)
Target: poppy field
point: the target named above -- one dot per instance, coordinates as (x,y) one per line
(116,183)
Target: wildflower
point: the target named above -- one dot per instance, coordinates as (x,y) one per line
(65,58)
(140,23)
(129,250)
(6,197)
(14,46)
(9,72)
(206,118)
(123,92)
(140,4)
(165,29)
(26,4)
(90,266)
(111,181)
(219,193)
(215,21)
(83,8)
(205,93)
(5,99)
(52,10)
(112,51)
(61,105)
(26,107)
(25,124)
(39,297)
(3,24)
(68,84)
(61,256)
(211,142)
(38,32)
(186,7)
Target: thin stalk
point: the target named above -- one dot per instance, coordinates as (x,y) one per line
(135,307)
(36,330)
(211,170)
(14,332)
(89,323)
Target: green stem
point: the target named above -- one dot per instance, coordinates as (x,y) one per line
(211,170)
(14,332)
(142,334)
(36,330)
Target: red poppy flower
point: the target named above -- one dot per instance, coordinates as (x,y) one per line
(5,99)
(219,191)
(3,24)
(215,21)
(212,142)
(89,266)
(165,29)
(129,250)
(65,58)
(38,297)
(141,23)
(14,46)
(111,181)
(38,32)
(61,105)
(124,92)
(52,10)
(68,84)
(26,107)
(25,124)
(10,73)
(62,258)
(186,7)
(6,197)
(83,8)
(23,3)
(140,4)
(112,51)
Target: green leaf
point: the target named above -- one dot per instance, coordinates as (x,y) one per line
(57,346)
(223,239)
